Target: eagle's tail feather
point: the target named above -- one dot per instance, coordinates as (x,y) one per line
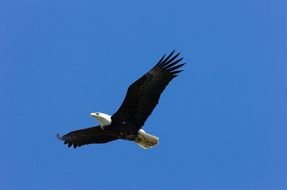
(146,140)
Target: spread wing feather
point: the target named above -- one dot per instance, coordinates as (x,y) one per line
(143,95)
(86,136)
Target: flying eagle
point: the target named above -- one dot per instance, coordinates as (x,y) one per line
(141,98)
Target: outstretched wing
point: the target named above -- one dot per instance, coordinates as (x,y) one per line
(86,136)
(143,95)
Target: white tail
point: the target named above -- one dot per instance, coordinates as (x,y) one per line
(146,140)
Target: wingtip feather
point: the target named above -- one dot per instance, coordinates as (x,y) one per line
(169,56)
(58,136)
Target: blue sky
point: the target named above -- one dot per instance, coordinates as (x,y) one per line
(221,123)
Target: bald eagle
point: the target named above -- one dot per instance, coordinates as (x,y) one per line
(126,123)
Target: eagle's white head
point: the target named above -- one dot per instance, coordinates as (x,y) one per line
(103,118)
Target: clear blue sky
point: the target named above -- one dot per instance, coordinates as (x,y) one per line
(222,123)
